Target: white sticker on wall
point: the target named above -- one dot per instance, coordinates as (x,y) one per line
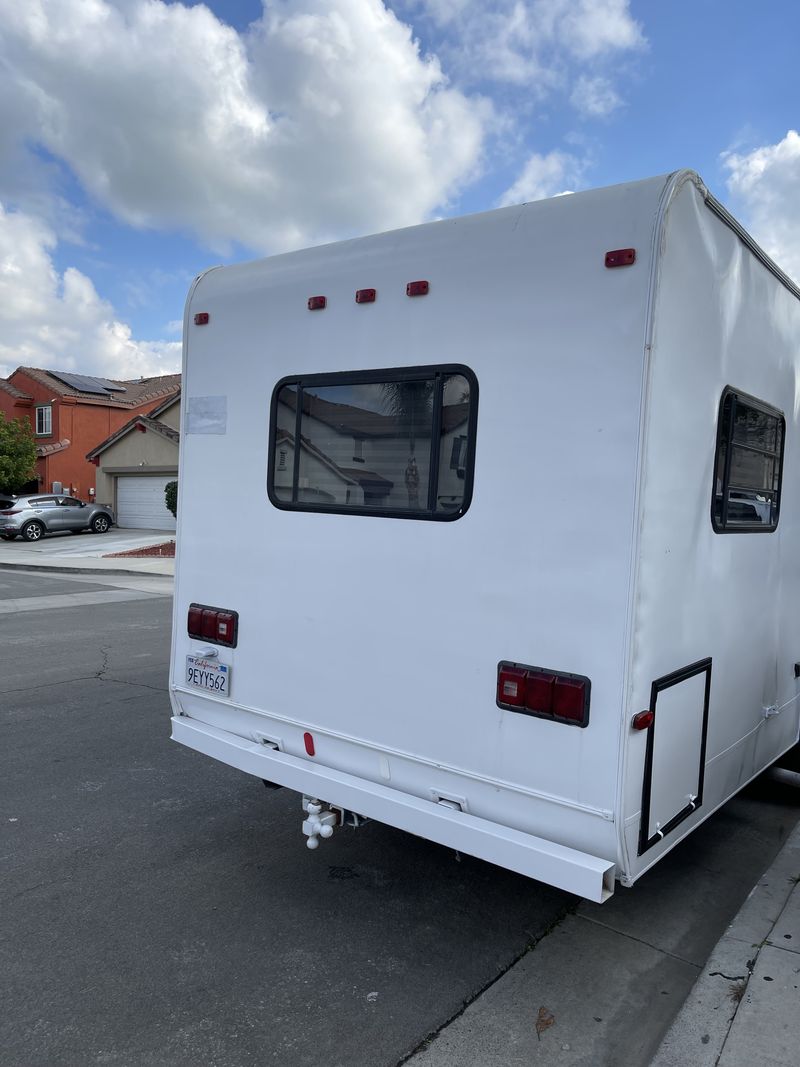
(207,414)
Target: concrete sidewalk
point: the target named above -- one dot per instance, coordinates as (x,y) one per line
(744,1009)
(607,987)
(88,553)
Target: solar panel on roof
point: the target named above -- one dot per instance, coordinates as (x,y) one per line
(86,383)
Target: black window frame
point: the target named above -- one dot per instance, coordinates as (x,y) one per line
(725,436)
(438,372)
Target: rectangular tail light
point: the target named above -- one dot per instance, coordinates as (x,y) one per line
(217,625)
(557,695)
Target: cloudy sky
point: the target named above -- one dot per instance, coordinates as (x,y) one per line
(142,141)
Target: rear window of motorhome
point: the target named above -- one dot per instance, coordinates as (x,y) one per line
(396,443)
(748,467)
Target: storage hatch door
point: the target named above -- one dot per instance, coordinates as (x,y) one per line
(676,751)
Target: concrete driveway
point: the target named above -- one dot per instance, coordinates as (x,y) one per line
(87,551)
(65,545)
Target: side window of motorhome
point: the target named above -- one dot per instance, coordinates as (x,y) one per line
(748,467)
(379,442)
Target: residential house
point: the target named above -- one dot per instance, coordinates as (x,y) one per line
(355,450)
(69,413)
(134,464)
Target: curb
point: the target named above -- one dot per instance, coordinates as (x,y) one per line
(65,569)
(701,1031)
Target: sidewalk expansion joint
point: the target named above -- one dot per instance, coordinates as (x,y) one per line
(641,941)
(532,944)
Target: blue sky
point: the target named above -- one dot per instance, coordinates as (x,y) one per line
(142,141)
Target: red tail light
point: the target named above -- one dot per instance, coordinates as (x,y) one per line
(217,625)
(546,694)
(511,686)
(13,511)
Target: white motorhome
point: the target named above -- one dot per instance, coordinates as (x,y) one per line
(506,543)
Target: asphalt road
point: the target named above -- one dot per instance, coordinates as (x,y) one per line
(161,909)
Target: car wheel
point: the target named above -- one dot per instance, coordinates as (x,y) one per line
(9,537)
(34,531)
(100,524)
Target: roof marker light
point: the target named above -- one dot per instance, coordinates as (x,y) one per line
(621,257)
(201,318)
(316,303)
(417,288)
(366,296)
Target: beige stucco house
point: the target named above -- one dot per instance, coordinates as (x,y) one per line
(134,465)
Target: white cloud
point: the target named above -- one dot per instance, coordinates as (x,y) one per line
(59,321)
(544,176)
(765,185)
(595,97)
(324,119)
(532,43)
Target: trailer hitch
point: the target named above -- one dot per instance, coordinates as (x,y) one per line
(320,822)
(322,818)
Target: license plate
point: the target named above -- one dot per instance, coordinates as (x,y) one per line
(207,675)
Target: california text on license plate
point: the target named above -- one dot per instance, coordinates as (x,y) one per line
(205,674)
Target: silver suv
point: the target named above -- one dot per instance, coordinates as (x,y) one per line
(34,516)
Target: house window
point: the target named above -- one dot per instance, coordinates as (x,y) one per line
(748,466)
(44,421)
(411,419)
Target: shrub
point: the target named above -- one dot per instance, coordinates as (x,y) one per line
(171,497)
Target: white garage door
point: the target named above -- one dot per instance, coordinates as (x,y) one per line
(140,503)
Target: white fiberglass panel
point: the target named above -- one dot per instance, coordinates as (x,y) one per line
(677,732)
(722,319)
(390,630)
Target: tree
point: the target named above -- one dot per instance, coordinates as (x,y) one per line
(17,453)
(171,497)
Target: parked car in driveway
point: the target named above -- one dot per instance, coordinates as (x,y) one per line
(31,517)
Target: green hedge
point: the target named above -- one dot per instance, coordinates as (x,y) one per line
(171,497)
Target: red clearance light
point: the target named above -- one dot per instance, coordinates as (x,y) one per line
(217,625)
(417,289)
(308,741)
(546,694)
(621,257)
(201,318)
(316,303)
(366,296)
(643,720)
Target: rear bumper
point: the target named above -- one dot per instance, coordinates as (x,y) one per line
(566,868)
